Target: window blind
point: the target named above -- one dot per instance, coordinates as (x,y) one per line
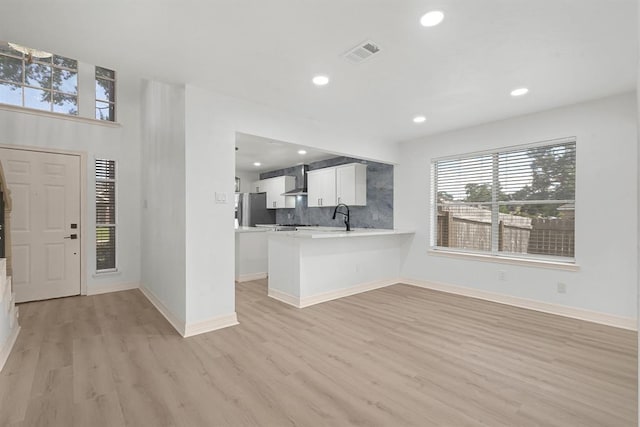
(105,171)
(519,201)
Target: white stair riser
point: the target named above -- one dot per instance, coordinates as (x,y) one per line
(13,317)
(9,300)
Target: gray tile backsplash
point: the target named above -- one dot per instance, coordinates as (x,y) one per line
(377,214)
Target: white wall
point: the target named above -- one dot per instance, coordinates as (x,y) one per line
(212,121)
(255,119)
(246,179)
(120,143)
(210,238)
(606,207)
(163,197)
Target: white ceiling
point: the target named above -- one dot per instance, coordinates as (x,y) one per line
(458,74)
(272,154)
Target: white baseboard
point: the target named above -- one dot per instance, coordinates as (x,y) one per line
(328,296)
(209,325)
(251,276)
(546,307)
(188,330)
(178,324)
(341,293)
(5,351)
(115,287)
(284,297)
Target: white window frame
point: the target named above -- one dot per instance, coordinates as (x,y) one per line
(51,90)
(114,225)
(494,254)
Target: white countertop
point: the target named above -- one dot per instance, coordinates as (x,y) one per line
(242,229)
(332,232)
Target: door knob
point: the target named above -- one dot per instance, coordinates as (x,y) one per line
(72,237)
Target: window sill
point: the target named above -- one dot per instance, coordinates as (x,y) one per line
(106,273)
(556,265)
(33,111)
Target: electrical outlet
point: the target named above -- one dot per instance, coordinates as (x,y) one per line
(502,275)
(562,288)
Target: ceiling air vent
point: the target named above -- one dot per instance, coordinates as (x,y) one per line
(362,52)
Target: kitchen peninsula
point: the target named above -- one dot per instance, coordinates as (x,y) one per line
(313,265)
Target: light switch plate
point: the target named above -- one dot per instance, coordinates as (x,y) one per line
(221,197)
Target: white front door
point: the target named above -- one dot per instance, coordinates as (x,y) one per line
(44,223)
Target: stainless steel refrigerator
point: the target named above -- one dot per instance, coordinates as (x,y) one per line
(251,209)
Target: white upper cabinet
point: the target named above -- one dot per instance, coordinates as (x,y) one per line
(341,184)
(258,187)
(274,187)
(351,184)
(321,187)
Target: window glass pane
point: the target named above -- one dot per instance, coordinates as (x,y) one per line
(105,90)
(105,248)
(10,94)
(44,85)
(61,61)
(105,214)
(36,98)
(538,229)
(103,72)
(38,75)
(105,202)
(105,111)
(65,104)
(530,213)
(65,81)
(468,180)
(45,60)
(10,69)
(464,227)
(541,173)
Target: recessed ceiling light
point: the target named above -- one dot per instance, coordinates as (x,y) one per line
(431,19)
(257,164)
(419,119)
(302,151)
(520,91)
(320,80)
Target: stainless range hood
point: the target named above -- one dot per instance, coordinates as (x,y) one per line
(301,178)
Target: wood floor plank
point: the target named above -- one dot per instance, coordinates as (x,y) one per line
(395,356)
(100,411)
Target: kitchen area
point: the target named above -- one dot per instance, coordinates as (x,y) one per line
(318,225)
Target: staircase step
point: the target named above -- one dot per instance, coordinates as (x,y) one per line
(13,316)
(9,300)
(3,267)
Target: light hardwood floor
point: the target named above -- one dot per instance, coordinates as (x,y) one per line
(390,357)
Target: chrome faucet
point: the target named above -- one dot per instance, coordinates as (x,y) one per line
(346,215)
